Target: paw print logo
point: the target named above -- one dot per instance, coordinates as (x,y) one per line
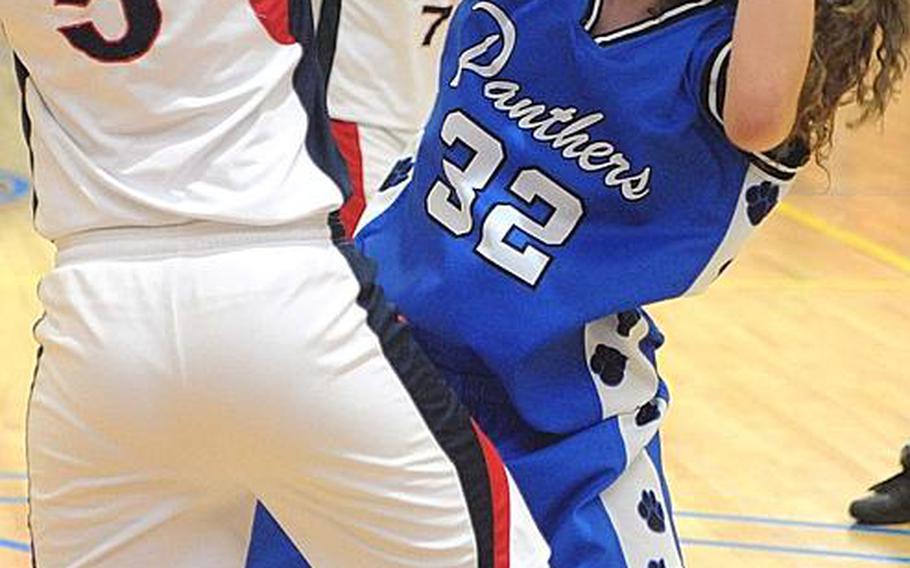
(627,321)
(761,200)
(647,414)
(609,364)
(652,512)
(657,564)
(400,172)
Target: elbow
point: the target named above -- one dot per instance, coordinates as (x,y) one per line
(758,124)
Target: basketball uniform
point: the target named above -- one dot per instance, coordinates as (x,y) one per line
(382,84)
(382,59)
(209,339)
(563,182)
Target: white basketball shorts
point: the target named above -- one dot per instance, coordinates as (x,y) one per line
(187,372)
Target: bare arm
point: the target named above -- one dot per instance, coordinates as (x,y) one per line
(772,43)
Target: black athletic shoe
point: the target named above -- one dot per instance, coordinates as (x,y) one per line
(889,503)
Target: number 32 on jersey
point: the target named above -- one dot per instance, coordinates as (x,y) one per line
(451,199)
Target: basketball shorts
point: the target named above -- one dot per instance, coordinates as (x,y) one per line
(187,372)
(598,495)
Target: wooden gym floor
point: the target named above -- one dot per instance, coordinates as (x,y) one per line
(791,378)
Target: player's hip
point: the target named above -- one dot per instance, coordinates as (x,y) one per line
(609,444)
(220,307)
(234,363)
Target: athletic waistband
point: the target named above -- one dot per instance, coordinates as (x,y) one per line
(191,238)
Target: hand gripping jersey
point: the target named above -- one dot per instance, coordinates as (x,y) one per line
(160,113)
(564,180)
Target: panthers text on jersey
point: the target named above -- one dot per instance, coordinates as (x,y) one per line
(562,179)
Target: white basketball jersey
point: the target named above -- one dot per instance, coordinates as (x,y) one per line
(387,60)
(160,112)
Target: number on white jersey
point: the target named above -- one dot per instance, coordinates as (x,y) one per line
(143,24)
(439,14)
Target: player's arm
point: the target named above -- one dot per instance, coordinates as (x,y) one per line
(772,43)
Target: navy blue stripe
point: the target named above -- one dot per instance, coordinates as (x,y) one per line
(655,452)
(448,421)
(327,36)
(770,170)
(798,551)
(22,75)
(310,84)
(28,413)
(659,24)
(721,94)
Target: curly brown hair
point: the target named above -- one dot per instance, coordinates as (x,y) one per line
(858,57)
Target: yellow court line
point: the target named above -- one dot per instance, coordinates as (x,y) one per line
(847,238)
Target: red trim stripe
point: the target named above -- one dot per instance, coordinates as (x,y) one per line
(347,137)
(499,487)
(275,17)
(475,462)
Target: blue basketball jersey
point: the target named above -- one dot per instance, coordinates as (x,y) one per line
(563,181)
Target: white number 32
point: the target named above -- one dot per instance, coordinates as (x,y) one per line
(451,199)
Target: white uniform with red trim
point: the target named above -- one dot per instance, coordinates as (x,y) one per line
(383,84)
(386,61)
(150,143)
(206,342)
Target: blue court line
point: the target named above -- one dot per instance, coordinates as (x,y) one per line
(8,475)
(13,500)
(15,545)
(818,552)
(751,519)
(12,187)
